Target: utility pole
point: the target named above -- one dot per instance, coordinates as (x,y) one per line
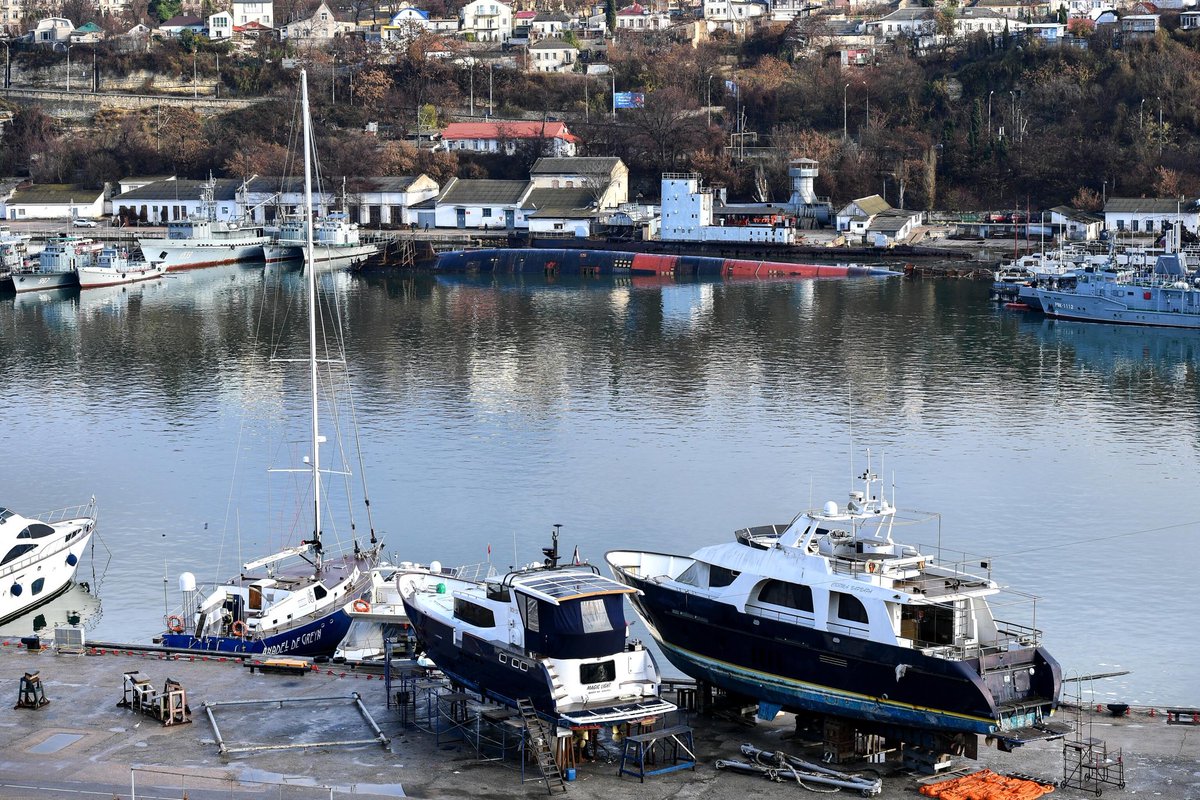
(195,84)
(472,67)
(990,93)
(491,72)
(846,112)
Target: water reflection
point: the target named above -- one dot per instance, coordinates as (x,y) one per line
(76,606)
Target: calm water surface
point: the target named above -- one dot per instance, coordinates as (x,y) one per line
(652,415)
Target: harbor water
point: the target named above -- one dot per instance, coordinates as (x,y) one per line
(637,413)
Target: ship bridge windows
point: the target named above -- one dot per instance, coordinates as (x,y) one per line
(701,574)
(473,614)
(720,576)
(850,608)
(36,531)
(17,552)
(789,595)
(4,514)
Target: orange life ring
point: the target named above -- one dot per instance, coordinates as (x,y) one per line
(362,606)
(871,566)
(175,623)
(238,628)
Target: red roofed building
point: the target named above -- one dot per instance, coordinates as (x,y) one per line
(495,136)
(638,17)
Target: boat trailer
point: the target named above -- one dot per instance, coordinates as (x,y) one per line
(779,766)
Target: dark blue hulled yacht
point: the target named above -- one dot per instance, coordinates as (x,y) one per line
(828,614)
(555,635)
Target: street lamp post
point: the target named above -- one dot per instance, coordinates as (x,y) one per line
(68,69)
(7,67)
(1013,121)
(491,72)
(990,93)
(471,65)
(333,81)
(846,112)
(95,75)
(195,84)
(1141,113)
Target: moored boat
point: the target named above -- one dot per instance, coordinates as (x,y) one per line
(202,240)
(56,266)
(113,267)
(336,242)
(827,614)
(40,556)
(554,635)
(1165,297)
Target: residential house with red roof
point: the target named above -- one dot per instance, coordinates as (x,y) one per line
(638,17)
(503,136)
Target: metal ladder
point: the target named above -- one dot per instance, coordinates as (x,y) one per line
(537,738)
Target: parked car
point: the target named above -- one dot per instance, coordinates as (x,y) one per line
(80,222)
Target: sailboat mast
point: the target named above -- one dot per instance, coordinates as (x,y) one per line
(312,315)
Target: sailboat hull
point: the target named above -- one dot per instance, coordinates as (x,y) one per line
(317,638)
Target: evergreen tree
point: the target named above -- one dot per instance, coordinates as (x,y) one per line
(165,9)
(610,14)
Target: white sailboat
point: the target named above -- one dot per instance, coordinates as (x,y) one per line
(291,602)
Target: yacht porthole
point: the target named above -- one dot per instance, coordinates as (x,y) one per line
(836,640)
(503,658)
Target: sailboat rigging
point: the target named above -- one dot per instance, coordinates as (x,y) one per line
(293,611)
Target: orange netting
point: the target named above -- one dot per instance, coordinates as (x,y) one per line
(987,785)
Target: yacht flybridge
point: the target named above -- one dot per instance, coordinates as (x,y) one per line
(828,614)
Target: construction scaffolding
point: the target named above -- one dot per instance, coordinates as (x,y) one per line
(1087,763)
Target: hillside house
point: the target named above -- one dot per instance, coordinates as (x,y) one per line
(496,136)
(552,55)
(322,26)
(487,20)
(53,32)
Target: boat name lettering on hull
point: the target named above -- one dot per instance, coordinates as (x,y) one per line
(303,640)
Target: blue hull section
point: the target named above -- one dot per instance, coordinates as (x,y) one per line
(802,669)
(318,638)
(477,665)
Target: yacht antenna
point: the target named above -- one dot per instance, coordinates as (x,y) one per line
(551,552)
(312,318)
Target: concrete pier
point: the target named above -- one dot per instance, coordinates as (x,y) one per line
(83,744)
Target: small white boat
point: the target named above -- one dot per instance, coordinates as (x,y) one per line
(40,556)
(113,267)
(336,242)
